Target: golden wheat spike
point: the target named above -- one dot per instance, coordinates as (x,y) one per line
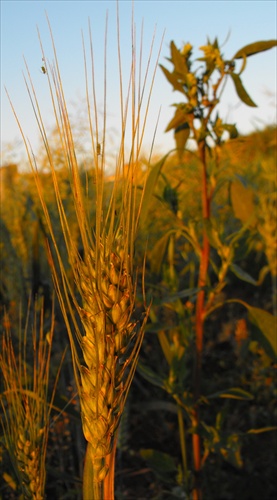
(98,307)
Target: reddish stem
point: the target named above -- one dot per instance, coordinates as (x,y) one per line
(200,309)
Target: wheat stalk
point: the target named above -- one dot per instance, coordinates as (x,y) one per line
(25,408)
(105,347)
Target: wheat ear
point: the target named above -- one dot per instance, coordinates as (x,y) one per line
(98,310)
(26,409)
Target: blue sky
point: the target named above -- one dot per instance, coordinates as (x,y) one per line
(183,20)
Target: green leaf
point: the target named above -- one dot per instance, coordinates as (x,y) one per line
(188,292)
(178,59)
(161,463)
(241,274)
(149,188)
(157,254)
(255,48)
(150,375)
(244,97)
(212,234)
(165,345)
(266,332)
(173,79)
(178,119)
(181,136)
(233,393)
(242,199)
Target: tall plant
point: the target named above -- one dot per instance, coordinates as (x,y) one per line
(98,308)
(197,119)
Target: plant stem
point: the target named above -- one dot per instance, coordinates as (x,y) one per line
(183,444)
(92,490)
(200,310)
(109,480)
(98,489)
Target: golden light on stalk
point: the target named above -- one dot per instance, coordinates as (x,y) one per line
(98,310)
(25,402)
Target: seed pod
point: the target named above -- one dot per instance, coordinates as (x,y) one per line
(20,444)
(123,281)
(119,342)
(116,313)
(125,301)
(121,253)
(105,284)
(89,353)
(114,275)
(88,379)
(108,303)
(110,395)
(123,321)
(113,293)
(102,473)
(105,375)
(94,407)
(115,260)
(99,319)
(109,327)
(33,486)
(86,317)
(94,433)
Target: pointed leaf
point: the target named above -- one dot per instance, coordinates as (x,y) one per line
(212,234)
(150,375)
(244,97)
(233,393)
(188,292)
(266,332)
(178,119)
(242,201)
(255,48)
(158,252)
(173,79)
(165,345)
(241,274)
(161,463)
(149,188)
(181,136)
(178,59)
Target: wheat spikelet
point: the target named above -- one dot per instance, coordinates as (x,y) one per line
(107,348)
(26,410)
(104,336)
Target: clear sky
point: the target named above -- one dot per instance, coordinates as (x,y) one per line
(184,21)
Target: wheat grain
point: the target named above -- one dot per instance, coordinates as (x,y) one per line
(26,410)
(109,331)
(109,338)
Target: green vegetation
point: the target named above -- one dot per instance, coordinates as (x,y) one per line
(182,253)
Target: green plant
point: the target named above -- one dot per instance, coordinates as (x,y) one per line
(212,248)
